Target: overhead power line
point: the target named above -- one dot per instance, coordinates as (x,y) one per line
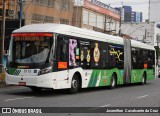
(134,3)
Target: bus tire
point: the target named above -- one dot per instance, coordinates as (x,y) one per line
(113,82)
(75,85)
(144,80)
(36,89)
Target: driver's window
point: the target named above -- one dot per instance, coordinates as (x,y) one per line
(62,52)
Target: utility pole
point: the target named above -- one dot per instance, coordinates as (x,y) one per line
(120,23)
(149,8)
(105,24)
(2,35)
(145,36)
(157,47)
(21,12)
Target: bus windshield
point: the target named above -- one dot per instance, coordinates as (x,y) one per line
(33,49)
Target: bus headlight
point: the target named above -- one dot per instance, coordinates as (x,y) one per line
(45,70)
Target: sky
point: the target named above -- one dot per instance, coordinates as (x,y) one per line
(137,5)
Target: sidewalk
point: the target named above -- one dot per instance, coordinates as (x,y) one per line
(2,80)
(2,76)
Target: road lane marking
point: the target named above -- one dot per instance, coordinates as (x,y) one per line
(100,107)
(142,96)
(18,98)
(106,105)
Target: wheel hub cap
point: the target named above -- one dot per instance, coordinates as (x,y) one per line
(74,84)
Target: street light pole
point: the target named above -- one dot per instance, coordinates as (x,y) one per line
(2,35)
(157,48)
(120,23)
(149,8)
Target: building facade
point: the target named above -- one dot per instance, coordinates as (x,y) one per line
(89,14)
(95,15)
(121,10)
(132,16)
(40,11)
(136,17)
(10,9)
(49,11)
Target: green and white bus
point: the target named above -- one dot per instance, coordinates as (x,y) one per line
(60,56)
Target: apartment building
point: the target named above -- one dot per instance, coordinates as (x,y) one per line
(95,15)
(49,11)
(40,11)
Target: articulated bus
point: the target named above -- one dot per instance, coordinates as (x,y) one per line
(60,56)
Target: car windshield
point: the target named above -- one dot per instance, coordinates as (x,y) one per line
(31,49)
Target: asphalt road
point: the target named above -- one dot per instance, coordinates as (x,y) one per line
(123,96)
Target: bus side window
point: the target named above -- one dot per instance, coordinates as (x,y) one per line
(134,58)
(151,57)
(85,54)
(145,56)
(74,53)
(62,51)
(104,55)
(112,56)
(116,56)
(141,53)
(96,55)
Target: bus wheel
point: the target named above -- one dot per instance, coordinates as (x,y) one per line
(75,85)
(36,89)
(113,82)
(144,81)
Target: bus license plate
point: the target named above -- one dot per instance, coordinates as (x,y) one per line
(27,71)
(22,83)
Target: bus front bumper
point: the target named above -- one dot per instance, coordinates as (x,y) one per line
(44,81)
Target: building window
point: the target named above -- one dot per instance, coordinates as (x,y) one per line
(108,23)
(49,3)
(113,25)
(35,22)
(100,22)
(92,19)
(37,1)
(48,19)
(65,4)
(41,18)
(85,17)
(44,2)
(64,21)
(117,26)
(37,17)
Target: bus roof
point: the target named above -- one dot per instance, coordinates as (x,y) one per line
(77,32)
(138,44)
